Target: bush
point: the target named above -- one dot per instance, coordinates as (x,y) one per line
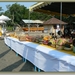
(9,28)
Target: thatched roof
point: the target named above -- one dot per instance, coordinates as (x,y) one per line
(53,21)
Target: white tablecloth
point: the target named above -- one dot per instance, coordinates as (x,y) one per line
(42,57)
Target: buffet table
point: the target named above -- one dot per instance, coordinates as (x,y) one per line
(46,59)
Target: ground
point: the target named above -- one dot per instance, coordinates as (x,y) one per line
(9,62)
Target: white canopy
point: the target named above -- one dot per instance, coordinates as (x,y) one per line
(4,18)
(2,22)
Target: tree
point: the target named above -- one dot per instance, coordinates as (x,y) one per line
(18,12)
(39,16)
(1,10)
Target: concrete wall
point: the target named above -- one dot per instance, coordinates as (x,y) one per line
(50,29)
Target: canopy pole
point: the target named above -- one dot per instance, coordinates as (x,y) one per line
(61,11)
(29,23)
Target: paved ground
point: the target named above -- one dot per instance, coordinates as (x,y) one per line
(9,62)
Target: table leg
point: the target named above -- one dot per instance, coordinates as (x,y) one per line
(24,59)
(35,68)
(16,54)
(38,70)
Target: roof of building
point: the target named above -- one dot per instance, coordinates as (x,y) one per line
(32,21)
(54,21)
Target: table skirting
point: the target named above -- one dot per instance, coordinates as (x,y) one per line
(46,59)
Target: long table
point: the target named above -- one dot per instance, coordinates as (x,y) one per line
(46,59)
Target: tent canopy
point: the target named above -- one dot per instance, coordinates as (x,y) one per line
(2,22)
(53,21)
(4,18)
(68,8)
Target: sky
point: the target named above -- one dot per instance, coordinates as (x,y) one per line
(26,4)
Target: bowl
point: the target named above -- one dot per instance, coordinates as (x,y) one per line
(66,48)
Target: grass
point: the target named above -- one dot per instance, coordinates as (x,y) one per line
(10,28)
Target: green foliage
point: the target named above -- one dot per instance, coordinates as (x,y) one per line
(39,16)
(18,12)
(1,9)
(9,28)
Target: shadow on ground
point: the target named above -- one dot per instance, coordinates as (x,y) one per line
(18,64)
(27,67)
(13,66)
(4,53)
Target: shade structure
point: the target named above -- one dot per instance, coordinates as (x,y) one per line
(4,18)
(68,8)
(2,22)
(38,5)
(38,21)
(52,24)
(27,21)
(32,21)
(54,21)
